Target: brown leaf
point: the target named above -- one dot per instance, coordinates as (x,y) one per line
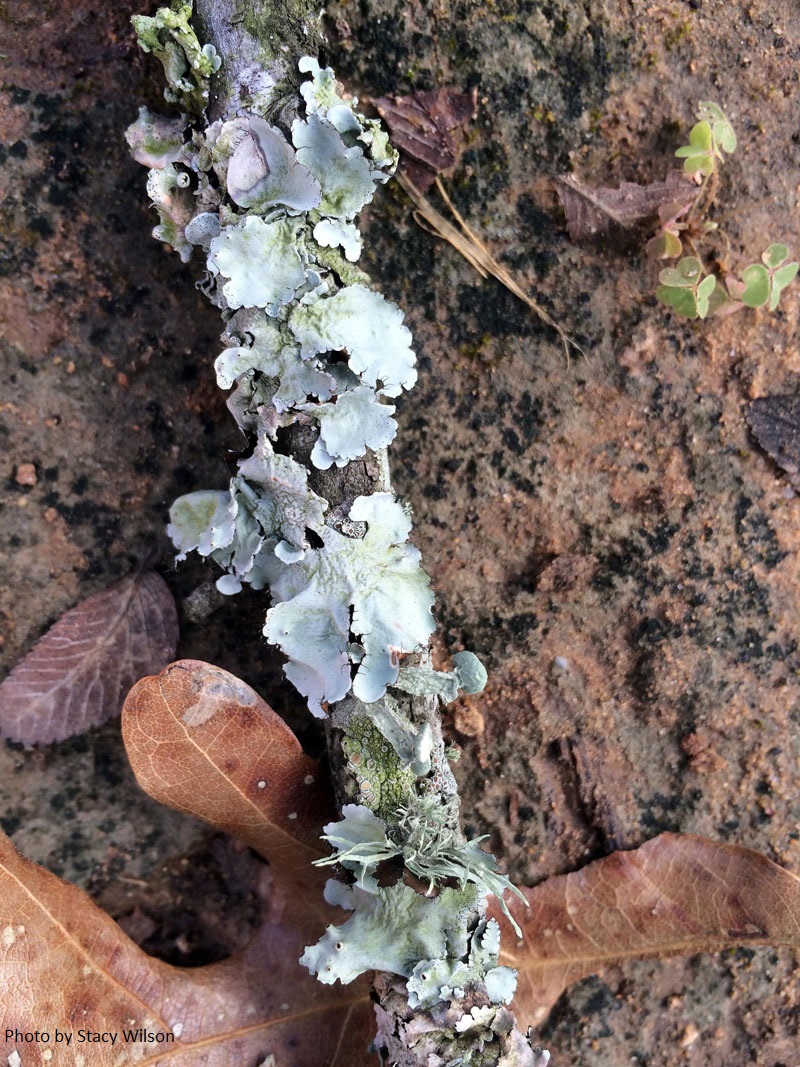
(592,211)
(77,675)
(203,742)
(66,966)
(677,895)
(775,422)
(428,129)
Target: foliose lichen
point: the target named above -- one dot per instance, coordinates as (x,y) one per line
(426,839)
(188,65)
(388,931)
(371,587)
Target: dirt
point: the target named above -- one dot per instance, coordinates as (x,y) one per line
(605,533)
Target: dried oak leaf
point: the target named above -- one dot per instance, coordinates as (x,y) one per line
(676,895)
(592,211)
(66,965)
(201,741)
(76,676)
(775,422)
(428,128)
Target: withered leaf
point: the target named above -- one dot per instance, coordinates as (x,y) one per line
(775,422)
(428,129)
(676,895)
(592,211)
(201,741)
(78,673)
(65,964)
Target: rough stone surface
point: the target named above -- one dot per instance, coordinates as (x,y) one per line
(605,534)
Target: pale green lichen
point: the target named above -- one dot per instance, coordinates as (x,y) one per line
(388,931)
(203,228)
(468,674)
(274,218)
(335,233)
(362,323)
(412,743)
(425,835)
(269,508)
(216,525)
(271,354)
(261,261)
(452,979)
(331,259)
(154,140)
(264,172)
(344,174)
(384,781)
(284,505)
(187,64)
(168,189)
(323,96)
(202,522)
(372,587)
(347,428)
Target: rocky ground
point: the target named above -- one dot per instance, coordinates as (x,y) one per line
(604,532)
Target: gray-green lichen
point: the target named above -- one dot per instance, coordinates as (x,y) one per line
(188,65)
(360,322)
(468,674)
(385,782)
(370,587)
(261,262)
(424,835)
(391,930)
(451,979)
(154,140)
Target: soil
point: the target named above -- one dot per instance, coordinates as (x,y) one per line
(605,533)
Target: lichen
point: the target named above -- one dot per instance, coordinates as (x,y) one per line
(368,327)
(270,363)
(308,342)
(372,587)
(269,508)
(264,172)
(344,174)
(324,96)
(335,233)
(155,140)
(451,979)
(187,64)
(388,931)
(383,781)
(168,189)
(261,261)
(285,506)
(424,833)
(347,428)
(468,674)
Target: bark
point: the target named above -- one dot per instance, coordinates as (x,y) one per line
(260,43)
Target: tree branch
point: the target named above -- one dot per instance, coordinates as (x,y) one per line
(268,182)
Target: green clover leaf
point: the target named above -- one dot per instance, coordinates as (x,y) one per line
(698,155)
(756,285)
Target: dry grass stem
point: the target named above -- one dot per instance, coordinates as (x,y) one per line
(472,248)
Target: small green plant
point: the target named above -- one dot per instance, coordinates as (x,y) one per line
(688,287)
